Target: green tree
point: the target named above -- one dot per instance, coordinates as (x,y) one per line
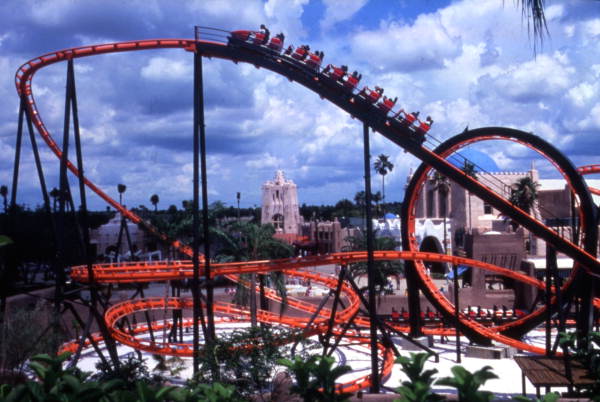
(524,193)
(246,241)
(121,188)
(55,194)
(377,198)
(344,208)
(154,199)
(247,358)
(360,199)
(383,166)
(383,269)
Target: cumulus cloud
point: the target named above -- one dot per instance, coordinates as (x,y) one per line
(336,11)
(545,77)
(423,45)
(162,68)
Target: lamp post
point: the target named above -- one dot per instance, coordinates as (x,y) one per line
(238,196)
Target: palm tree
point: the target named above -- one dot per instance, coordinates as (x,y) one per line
(4,194)
(246,241)
(533,11)
(55,194)
(121,188)
(383,166)
(360,199)
(154,200)
(383,269)
(523,194)
(376,198)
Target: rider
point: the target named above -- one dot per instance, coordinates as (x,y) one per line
(387,104)
(424,126)
(352,80)
(265,32)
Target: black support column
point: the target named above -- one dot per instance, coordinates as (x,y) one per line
(370,264)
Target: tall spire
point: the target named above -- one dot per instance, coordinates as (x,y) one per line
(279,177)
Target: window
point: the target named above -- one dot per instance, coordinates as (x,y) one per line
(278,222)
(487,209)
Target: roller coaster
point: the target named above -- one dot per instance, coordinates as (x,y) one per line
(402,129)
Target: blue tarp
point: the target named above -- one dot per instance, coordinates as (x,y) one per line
(461,269)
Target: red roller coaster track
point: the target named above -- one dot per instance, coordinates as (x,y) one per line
(237,50)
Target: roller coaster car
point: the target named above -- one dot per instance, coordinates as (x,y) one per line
(257,38)
(335,73)
(371,96)
(351,82)
(313,61)
(240,35)
(276,44)
(386,105)
(300,53)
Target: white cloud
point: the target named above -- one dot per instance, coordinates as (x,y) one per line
(266,160)
(162,68)
(397,46)
(285,16)
(544,77)
(592,120)
(339,10)
(581,94)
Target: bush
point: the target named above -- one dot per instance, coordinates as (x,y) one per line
(316,377)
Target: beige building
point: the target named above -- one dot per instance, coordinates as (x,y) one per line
(280,204)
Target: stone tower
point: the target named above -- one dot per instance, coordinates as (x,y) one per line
(280,204)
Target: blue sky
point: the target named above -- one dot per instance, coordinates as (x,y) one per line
(468,62)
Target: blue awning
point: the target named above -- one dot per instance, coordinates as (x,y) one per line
(461,269)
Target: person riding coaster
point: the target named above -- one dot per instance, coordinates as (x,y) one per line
(424,126)
(387,104)
(371,95)
(276,43)
(313,61)
(408,119)
(301,52)
(336,73)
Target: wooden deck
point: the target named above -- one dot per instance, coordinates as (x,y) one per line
(544,371)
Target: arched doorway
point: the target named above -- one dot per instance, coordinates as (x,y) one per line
(432,244)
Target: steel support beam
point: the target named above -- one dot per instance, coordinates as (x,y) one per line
(370,263)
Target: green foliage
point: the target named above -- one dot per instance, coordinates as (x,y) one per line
(587,351)
(246,358)
(467,384)
(246,241)
(316,377)
(215,392)
(524,193)
(130,371)
(5,241)
(383,269)
(418,388)
(58,384)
